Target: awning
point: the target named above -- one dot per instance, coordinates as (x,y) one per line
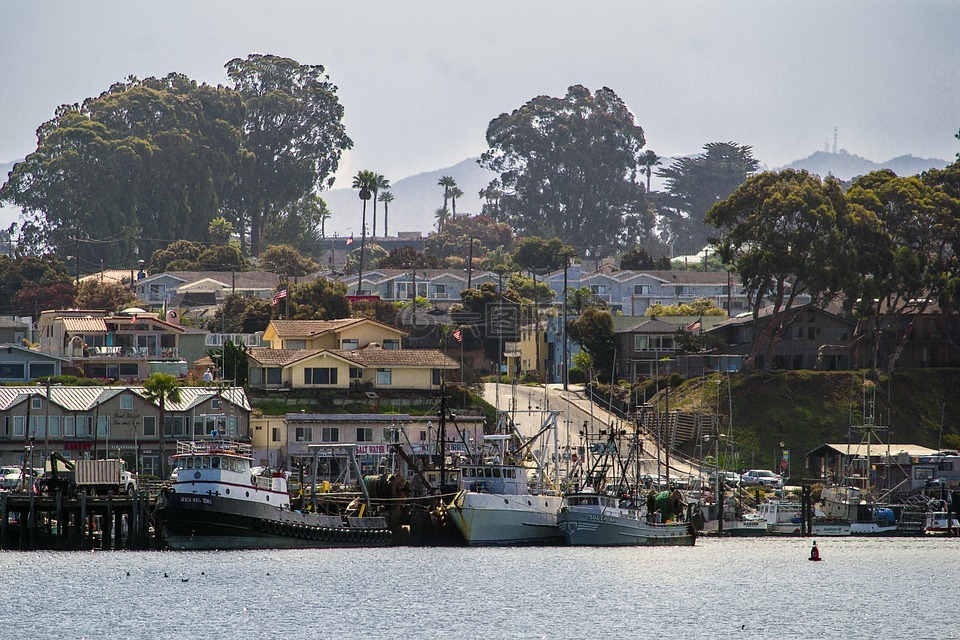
(84,325)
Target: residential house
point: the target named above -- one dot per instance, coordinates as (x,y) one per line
(19,364)
(13,332)
(126,346)
(929,339)
(99,422)
(176,289)
(815,339)
(342,354)
(439,286)
(633,292)
(645,349)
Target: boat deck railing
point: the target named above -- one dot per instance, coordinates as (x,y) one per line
(216,445)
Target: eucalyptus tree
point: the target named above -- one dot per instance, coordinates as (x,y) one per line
(145,159)
(293,136)
(568,167)
(788,235)
(906,256)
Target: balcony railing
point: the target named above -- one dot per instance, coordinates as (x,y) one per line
(123,352)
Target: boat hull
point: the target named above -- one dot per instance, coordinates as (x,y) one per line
(602,530)
(208,522)
(498,519)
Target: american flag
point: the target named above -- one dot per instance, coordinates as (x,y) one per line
(280,295)
(458,335)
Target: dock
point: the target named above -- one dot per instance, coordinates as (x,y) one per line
(33,522)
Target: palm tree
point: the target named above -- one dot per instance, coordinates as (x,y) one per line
(454,194)
(649,160)
(379,182)
(447,182)
(441,215)
(160,388)
(386,198)
(364,181)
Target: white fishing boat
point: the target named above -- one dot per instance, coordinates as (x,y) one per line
(220,500)
(783,518)
(501,500)
(497,506)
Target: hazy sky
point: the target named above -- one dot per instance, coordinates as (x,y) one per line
(420,80)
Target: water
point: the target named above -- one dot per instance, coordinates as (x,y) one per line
(721,588)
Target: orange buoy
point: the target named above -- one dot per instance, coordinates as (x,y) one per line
(814,553)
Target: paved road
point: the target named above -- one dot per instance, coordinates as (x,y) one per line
(529,405)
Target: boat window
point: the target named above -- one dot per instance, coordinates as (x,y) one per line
(468,472)
(496,473)
(513,473)
(486,472)
(206,462)
(215,462)
(189,463)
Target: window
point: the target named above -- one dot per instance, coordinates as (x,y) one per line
(392,345)
(384,376)
(356,373)
(423,436)
(36,403)
(274,375)
(320,375)
(41,369)
(641,289)
(350,344)
(440,289)
(304,434)
(69,426)
(54,426)
(598,289)
(215,404)
(103,425)
(11,371)
(364,434)
(296,344)
(653,343)
(436,377)
(330,434)
(38,426)
(126,402)
(18,425)
(149,425)
(275,434)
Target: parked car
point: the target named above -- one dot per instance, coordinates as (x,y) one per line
(763,477)
(729,478)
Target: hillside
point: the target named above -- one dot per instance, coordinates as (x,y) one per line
(846,166)
(804,409)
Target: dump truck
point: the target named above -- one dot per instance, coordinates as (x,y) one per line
(93,477)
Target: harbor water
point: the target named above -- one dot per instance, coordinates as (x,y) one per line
(721,588)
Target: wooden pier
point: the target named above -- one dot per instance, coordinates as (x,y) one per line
(34,522)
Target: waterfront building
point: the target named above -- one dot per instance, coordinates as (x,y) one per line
(112,421)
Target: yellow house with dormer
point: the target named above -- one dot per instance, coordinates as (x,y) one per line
(346,334)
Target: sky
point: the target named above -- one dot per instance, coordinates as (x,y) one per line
(421,80)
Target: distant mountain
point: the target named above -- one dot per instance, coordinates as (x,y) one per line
(415,199)
(846,166)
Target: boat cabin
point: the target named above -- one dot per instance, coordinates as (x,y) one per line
(493,478)
(226,469)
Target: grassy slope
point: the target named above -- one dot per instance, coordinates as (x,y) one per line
(804,409)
